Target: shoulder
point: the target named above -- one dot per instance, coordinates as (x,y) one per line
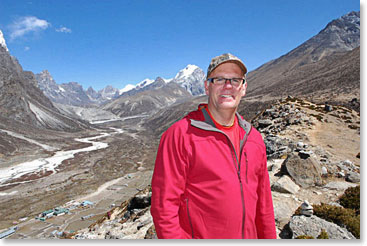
(182,126)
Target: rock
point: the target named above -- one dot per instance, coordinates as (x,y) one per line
(324,171)
(305,154)
(340,174)
(270,147)
(305,172)
(347,166)
(353,177)
(335,204)
(276,147)
(285,185)
(306,209)
(284,208)
(300,145)
(139,201)
(141,168)
(335,185)
(264,123)
(292,121)
(312,226)
(328,108)
(151,233)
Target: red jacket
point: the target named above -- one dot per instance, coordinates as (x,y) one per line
(201,190)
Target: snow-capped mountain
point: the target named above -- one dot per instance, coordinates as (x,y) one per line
(127,88)
(2,41)
(144,83)
(192,79)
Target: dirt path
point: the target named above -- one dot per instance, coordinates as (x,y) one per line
(336,137)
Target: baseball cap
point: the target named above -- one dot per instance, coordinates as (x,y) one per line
(216,61)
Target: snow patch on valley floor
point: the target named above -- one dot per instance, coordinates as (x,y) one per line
(8,193)
(122,119)
(16,135)
(51,163)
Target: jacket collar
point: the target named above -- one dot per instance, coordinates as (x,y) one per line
(209,125)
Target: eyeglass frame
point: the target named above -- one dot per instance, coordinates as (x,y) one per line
(211,80)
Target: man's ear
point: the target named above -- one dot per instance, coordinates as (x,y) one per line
(206,84)
(243,89)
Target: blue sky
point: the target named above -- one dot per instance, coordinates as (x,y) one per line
(99,43)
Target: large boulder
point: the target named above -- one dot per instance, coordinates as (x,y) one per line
(285,185)
(312,226)
(285,206)
(305,172)
(353,177)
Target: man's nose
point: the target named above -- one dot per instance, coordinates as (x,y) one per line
(228,84)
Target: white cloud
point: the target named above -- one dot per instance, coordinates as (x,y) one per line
(27,24)
(27,48)
(63,29)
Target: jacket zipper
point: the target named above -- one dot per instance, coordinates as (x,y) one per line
(239,176)
(188,214)
(241,186)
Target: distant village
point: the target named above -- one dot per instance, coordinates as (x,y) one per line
(58,211)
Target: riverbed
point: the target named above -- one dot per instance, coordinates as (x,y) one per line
(50,164)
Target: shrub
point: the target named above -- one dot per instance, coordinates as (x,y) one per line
(323,235)
(351,199)
(344,217)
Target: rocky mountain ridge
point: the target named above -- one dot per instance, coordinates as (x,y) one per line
(72,93)
(22,101)
(326,62)
(191,78)
(147,100)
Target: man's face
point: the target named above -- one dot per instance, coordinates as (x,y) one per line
(225,96)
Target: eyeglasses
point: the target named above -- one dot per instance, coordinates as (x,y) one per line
(235,82)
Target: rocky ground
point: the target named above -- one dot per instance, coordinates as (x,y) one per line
(313,157)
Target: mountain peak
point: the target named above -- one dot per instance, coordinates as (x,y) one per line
(127,88)
(192,79)
(2,41)
(186,72)
(45,73)
(144,83)
(349,22)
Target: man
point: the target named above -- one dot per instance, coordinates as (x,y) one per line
(210,178)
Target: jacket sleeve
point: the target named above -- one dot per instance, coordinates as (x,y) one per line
(265,221)
(168,184)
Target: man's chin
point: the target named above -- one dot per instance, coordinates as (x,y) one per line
(228,105)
